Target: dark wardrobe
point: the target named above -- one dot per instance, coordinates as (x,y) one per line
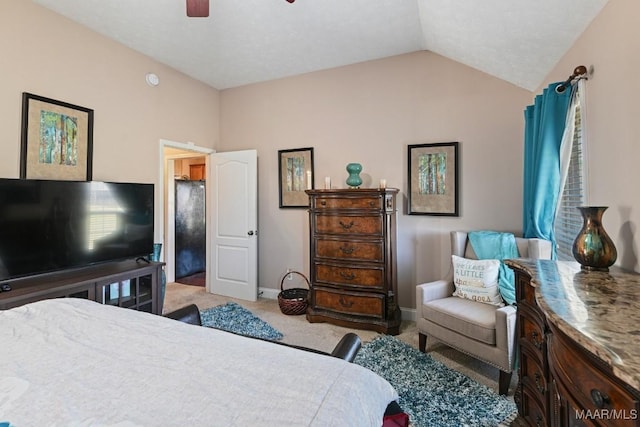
(190,228)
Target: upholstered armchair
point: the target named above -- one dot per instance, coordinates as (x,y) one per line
(484,331)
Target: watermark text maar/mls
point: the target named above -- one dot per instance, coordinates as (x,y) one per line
(607,414)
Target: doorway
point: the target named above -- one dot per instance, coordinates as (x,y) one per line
(179,163)
(190,225)
(231,216)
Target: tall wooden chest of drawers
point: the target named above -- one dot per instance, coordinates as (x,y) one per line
(353,259)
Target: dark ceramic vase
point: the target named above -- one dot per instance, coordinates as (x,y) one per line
(593,248)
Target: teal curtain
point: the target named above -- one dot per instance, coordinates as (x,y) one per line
(544,126)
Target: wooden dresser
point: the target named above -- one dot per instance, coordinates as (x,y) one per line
(579,345)
(353,259)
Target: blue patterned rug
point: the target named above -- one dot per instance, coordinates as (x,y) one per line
(234,318)
(431,393)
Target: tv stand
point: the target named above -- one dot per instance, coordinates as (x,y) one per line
(128,284)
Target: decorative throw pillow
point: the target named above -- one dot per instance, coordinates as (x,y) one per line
(477,280)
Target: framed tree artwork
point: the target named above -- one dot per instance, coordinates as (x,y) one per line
(56,141)
(433,179)
(296,175)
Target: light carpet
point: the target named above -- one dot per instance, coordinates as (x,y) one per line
(431,393)
(234,318)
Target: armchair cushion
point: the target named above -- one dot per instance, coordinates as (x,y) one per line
(464,317)
(477,280)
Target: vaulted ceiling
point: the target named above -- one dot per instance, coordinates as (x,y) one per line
(249,41)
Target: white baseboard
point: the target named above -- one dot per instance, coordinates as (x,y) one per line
(408,313)
(270,293)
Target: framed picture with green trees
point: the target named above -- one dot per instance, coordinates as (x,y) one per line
(57,140)
(296,176)
(433,179)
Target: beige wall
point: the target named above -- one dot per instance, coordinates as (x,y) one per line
(369,113)
(612,45)
(48,55)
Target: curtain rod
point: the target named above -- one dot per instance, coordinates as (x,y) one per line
(578,73)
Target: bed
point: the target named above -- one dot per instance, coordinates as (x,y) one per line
(74,362)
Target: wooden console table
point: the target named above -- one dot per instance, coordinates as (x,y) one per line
(579,345)
(128,284)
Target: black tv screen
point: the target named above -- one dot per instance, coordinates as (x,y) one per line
(54,225)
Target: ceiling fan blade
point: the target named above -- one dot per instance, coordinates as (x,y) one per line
(197,8)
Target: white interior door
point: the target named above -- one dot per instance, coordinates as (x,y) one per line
(233,242)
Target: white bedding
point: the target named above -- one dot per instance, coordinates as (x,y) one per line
(73,362)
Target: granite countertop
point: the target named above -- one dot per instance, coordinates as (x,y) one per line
(599,310)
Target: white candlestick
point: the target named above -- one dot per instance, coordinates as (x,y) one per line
(383,183)
(327,182)
(308,180)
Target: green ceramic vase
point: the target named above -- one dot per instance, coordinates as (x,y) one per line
(354,180)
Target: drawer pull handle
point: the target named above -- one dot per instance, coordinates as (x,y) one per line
(536,342)
(372,203)
(347,250)
(345,303)
(598,398)
(349,276)
(323,202)
(347,226)
(539,383)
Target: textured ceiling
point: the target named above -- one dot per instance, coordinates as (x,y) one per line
(249,41)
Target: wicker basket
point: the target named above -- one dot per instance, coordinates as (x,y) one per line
(293,301)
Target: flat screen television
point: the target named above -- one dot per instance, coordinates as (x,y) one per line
(48,225)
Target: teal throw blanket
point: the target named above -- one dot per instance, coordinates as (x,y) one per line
(500,246)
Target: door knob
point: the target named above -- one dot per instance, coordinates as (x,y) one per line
(250,233)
